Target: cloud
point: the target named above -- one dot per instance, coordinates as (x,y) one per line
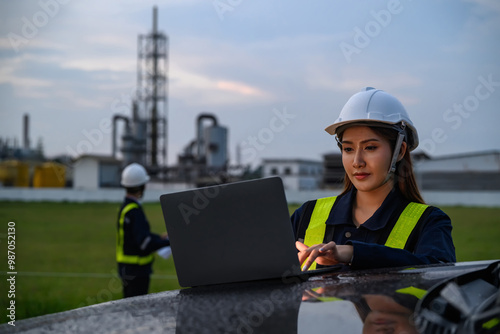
(201,89)
(240,88)
(487,5)
(24,85)
(480,27)
(30,45)
(322,75)
(5,43)
(110,63)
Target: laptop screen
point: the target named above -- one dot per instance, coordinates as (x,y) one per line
(231,232)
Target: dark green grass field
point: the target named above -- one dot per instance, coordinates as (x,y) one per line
(65,252)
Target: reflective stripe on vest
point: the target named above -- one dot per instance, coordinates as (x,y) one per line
(411,290)
(405,225)
(398,237)
(315,232)
(120,255)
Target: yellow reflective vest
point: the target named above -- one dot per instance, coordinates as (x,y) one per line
(121,257)
(398,237)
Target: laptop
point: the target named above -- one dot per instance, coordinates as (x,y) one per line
(232,232)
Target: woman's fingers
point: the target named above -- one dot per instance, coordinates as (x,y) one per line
(324,254)
(331,246)
(341,254)
(307,255)
(313,254)
(304,251)
(300,246)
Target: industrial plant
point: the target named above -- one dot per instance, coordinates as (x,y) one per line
(145,132)
(22,165)
(141,136)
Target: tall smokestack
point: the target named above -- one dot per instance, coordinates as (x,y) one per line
(26,124)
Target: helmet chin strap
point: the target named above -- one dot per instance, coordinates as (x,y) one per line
(397,149)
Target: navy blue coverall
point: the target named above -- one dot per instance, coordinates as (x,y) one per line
(135,248)
(431,242)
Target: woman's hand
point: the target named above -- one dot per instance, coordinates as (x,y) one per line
(325,254)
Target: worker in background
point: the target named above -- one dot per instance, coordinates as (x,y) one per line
(135,243)
(379,219)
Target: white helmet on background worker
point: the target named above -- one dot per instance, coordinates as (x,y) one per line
(376,106)
(134,175)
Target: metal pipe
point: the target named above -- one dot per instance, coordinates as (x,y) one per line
(26,124)
(199,134)
(127,129)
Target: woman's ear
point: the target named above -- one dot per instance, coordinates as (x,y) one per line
(402,151)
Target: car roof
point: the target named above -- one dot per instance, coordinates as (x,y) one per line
(345,300)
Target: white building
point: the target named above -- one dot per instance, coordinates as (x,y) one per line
(94,171)
(469,171)
(297,174)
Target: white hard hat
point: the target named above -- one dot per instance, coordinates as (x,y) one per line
(134,175)
(375,105)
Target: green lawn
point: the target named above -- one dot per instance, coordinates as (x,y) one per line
(65,252)
(65,255)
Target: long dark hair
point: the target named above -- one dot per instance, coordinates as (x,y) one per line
(404,177)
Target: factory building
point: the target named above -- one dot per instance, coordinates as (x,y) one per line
(204,160)
(333,171)
(470,171)
(94,171)
(297,174)
(462,172)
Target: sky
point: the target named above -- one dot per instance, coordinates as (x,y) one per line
(275,73)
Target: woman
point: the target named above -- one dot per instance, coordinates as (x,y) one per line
(379,219)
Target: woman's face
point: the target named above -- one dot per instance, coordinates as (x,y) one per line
(387,316)
(366,157)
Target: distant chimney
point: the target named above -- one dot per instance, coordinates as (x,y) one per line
(26,124)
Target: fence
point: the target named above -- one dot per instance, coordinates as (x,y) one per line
(434,197)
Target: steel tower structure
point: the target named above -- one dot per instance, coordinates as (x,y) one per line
(152,81)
